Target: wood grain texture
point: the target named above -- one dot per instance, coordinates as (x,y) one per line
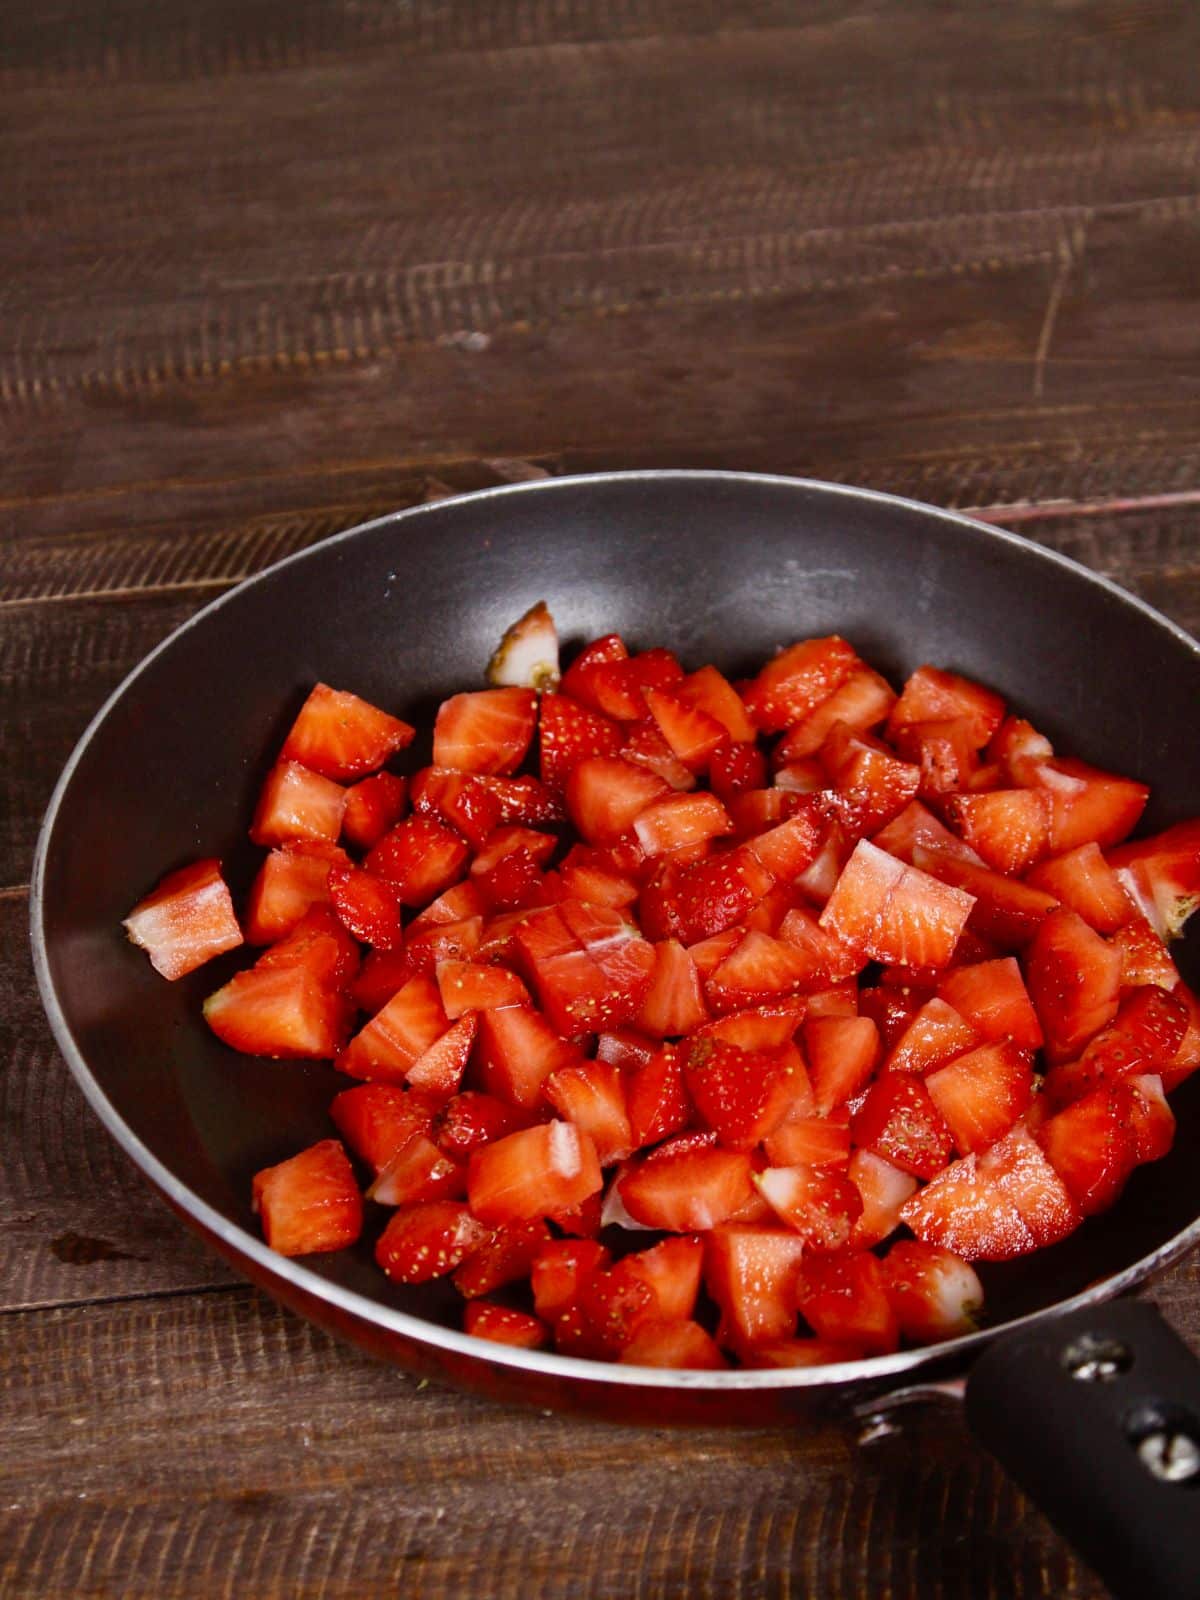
(270,268)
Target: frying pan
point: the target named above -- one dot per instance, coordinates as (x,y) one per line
(1092,1402)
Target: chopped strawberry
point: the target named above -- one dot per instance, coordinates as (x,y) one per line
(736,769)
(892,912)
(600,652)
(709,691)
(396,1038)
(788,848)
(375,1119)
(1092,1147)
(759,970)
(671,1270)
(810,1142)
(472,986)
(1145,1035)
(751,1273)
(439,1069)
(591,1095)
(741,1095)
(526,800)
(679,822)
(645,747)
(944,753)
(486,731)
(1006,911)
(936,1034)
(187,919)
(416,1171)
(763,1028)
(426,949)
(656,1098)
(588,874)
(373,806)
(1087,805)
(992,997)
(916,826)
(838,1000)
(1144,956)
(625,1047)
(527,655)
(931,695)
(692,735)
(797,681)
(1084,882)
(884,1189)
(421,857)
(705,898)
(504,1325)
(547,1168)
(1149,1116)
(616,1302)
(616,687)
(981,1094)
(310,1202)
(934,1293)
(1007,1202)
(1019,749)
(472,1118)
(829,959)
(367,904)
(756,810)
(673,1004)
(605,796)
(296,803)
(560,1271)
(570,733)
(899,1121)
(891,1009)
(1009,828)
(687,1185)
(427,1241)
(458,799)
(290,881)
(1162,876)
(292,1002)
(820,1203)
(683,1345)
(589,966)
(1187,1057)
(871,785)
(862,701)
(343,737)
(1074,980)
(842,1053)
(516,1052)
(844,1299)
(507,1257)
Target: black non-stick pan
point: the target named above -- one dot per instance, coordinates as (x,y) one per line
(1090,1400)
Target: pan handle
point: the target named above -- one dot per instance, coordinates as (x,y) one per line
(1097,1416)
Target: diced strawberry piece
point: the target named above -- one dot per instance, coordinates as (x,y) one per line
(1162,875)
(527,655)
(1019,749)
(709,691)
(1092,1147)
(1007,1202)
(944,753)
(186,920)
(899,1121)
(1144,957)
(456,904)
(736,769)
(821,1204)
(891,1010)
(764,1028)
(416,1171)
(472,986)
(801,777)
(803,1352)
(645,747)
(616,687)
(931,695)
(934,1293)
(508,841)
(526,801)
(656,1098)
(550,1167)
(591,1095)
(396,1038)
(486,731)
(515,883)
(1145,1036)
(1145,1108)
(809,1142)
(741,1095)
(709,953)
(893,912)
(994,1000)
(692,734)
(588,874)
(829,959)
(368,905)
(283,1008)
(427,1241)
(671,1270)
(844,1299)
(507,1257)
(680,821)
(589,966)
(421,857)
(426,949)
(616,1302)
(560,1271)
(1009,828)
(1187,1058)
(981,1094)
(457,799)
(439,1070)
(861,702)
(756,810)
(673,1003)
(310,1202)
(605,795)
(1074,980)
(935,1036)
(600,652)
(625,1047)
(1087,805)
(797,681)
(504,1325)
(320,946)
(292,879)
(516,1052)
(787,849)
(751,1273)
(296,803)
(760,969)
(687,1185)
(1084,882)
(373,806)
(375,1119)
(343,737)
(469,1120)
(884,1189)
(570,733)
(681,1345)
(916,825)
(1008,912)
(841,1053)
(872,785)
(705,898)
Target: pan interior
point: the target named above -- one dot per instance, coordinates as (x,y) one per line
(719,568)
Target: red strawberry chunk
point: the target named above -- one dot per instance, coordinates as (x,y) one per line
(290,881)
(570,733)
(871,785)
(797,681)
(656,1098)
(625,1047)
(397,1036)
(936,1034)
(375,1119)
(368,905)
(692,734)
(931,695)
(550,1167)
(1144,957)
(892,912)
(994,1000)
(439,1069)
(705,898)
(645,747)
(885,1189)
(417,1171)
(829,959)
(282,1008)
(421,857)
(1019,749)
(459,800)
(616,1302)
(426,949)
(319,946)
(372,807)
(560,1272)
(891,1009)
(844,1299)
(679,822)
(944,752)
(934,1293)
(507,1257)
(687,1185)
(1074,980)
(736,769)
(427,1241)
(295,803)
(787,849)
(594,875)
(1149,1116)
(981,1094)
(684,1346)
(471,986)
(741,1095)
(343,737)
(809,1142)
(1089,806)
(862,701)
(467,1121)
(1005,911)
(617,687)
(916,826)
(1009,828)
(310,1202)
(1145,1036)
(710,691)
(504,1325)
(517,1050)
(671,1270)
(486,731)
(758,970)
(600,652)
(821,1204)
(842,1053)
(899,1121)
(1092,1147)
(186,920)
(605,796)
(1084,882)
(1162,876)
(752,1272)
(1187,1058)
(526,801)
(673,1004)
(591,1095)
(1007,1202)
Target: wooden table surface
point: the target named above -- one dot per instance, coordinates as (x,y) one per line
(270,267)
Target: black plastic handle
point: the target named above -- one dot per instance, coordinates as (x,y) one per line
(1097,1416)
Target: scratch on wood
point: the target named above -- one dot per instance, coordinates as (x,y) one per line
(1070,257)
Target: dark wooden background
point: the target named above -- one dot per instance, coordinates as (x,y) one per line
(269,267)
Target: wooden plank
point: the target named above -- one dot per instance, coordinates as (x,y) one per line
(213,1446)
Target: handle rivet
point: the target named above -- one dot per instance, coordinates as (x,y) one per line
(1170,1455)
(1095,1360)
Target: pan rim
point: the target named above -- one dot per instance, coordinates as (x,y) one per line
(293,1273)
